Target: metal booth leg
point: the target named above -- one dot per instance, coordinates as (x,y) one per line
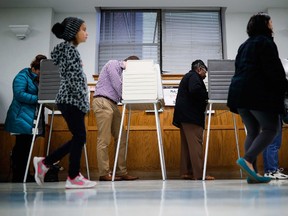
(86,160)
(160,143)
(34,131)
(237,139)
(118,142)
(207,141)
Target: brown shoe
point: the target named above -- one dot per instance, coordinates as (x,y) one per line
(186,177)
(109,178)
(206,178)
(128,177)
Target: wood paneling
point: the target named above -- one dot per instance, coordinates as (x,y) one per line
(143,154)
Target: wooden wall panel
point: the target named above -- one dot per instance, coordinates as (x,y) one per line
(143,152)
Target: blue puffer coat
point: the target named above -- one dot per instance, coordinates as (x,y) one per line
(21,112)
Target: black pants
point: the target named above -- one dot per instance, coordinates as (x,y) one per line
(20,153)
(75,121)
(262,127)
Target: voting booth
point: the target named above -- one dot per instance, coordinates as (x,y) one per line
(49,83)
(220,73)
(142,90)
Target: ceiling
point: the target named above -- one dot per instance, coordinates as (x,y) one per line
(84,6)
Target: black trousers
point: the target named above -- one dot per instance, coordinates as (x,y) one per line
(75,121)
(262,127)
(20,153)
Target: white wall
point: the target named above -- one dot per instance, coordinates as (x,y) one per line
(236,30)
(16,54)
(280,27)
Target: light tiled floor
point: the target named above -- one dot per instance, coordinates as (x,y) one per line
(147,197)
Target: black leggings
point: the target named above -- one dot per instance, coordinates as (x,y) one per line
(75,121)
(262,127)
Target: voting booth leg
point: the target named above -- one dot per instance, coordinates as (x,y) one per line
(207,141)
(127,134)
(208,136)
(32,143)
(160,143)
(86,160)
(237,139)
(118,141)
(50,131)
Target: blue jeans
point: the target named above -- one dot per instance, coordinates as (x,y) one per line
(270,154)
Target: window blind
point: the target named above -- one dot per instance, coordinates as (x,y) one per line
(187,36)
(129,32)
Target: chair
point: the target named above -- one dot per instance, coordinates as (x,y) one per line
(142,90)
(48,87)
(219,79)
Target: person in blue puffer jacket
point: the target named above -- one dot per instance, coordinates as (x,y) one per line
(20,116)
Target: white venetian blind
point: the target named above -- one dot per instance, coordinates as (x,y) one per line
(187,36)
(129,32)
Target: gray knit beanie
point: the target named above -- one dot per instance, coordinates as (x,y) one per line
(68,29)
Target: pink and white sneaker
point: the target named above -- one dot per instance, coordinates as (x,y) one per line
(40,170)
(79,182)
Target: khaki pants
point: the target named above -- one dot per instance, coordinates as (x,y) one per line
(191,161)
(108,118)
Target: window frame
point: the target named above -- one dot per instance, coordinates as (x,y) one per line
(160,13)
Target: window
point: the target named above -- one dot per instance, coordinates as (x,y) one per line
(129,32)
(172,38)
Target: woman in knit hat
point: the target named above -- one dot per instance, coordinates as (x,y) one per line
(72,101)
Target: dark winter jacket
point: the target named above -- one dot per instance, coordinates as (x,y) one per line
(21,112)
(191,100)
(259,82)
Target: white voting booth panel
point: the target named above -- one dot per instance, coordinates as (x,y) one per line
(220,73)
(140,81)
(49,83)
(142,84)
(142,89)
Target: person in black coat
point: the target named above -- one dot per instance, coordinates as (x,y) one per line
(257,92)
(189,116)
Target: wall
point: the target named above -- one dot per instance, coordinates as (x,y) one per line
(236,30)
(17,54)
(280,28)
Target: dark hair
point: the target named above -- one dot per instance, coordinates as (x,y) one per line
(198,63)
(36,62)
(258,25)
(132,58)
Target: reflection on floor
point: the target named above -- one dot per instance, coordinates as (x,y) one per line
(146,197)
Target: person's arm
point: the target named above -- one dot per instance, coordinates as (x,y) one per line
(20,86)
(115,73)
